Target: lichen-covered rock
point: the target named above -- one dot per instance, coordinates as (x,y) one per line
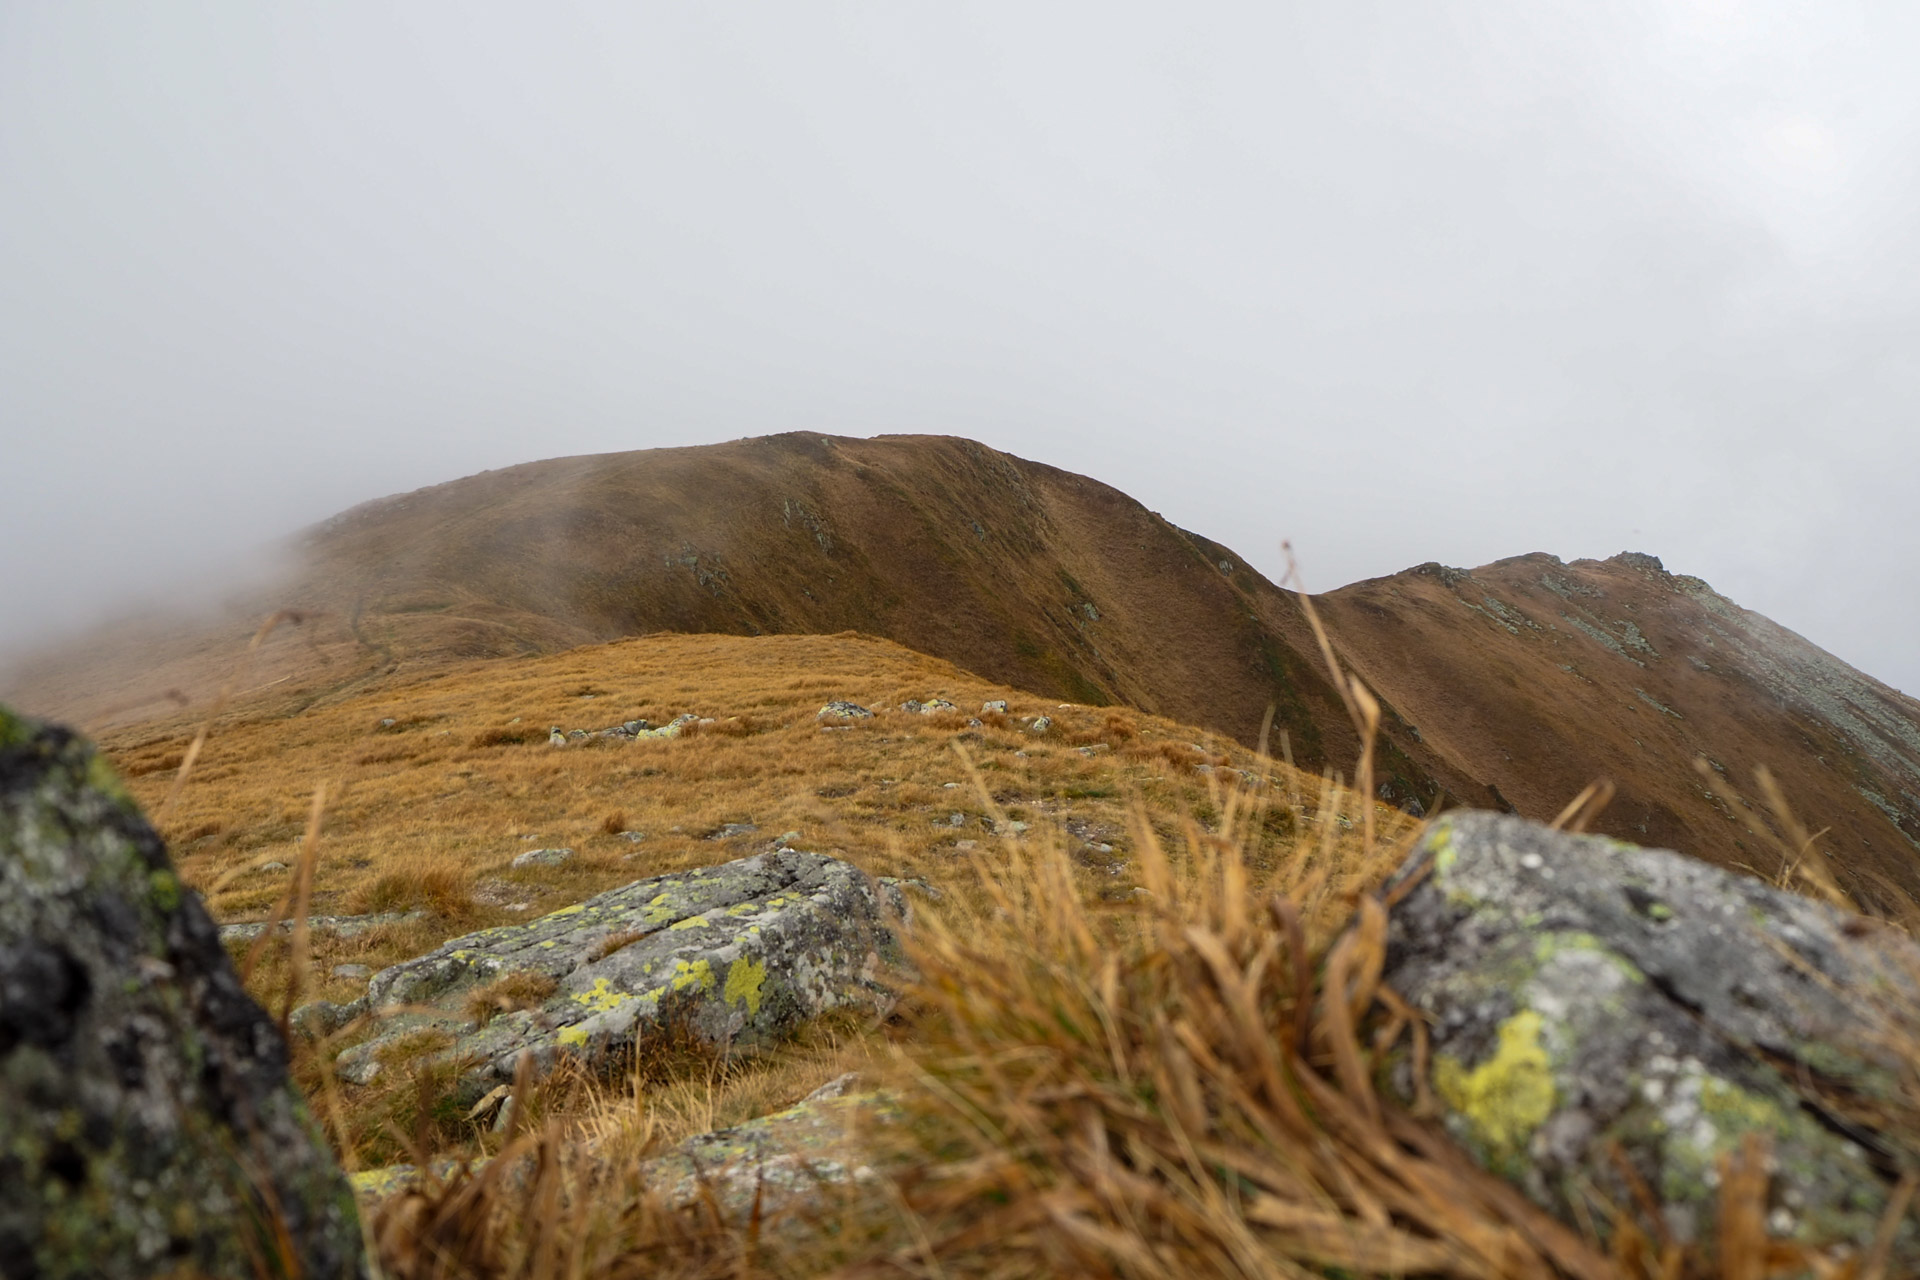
(843,710)
(830,1144)
(835,1146)
(146,1121)
(927,708)
(627,731)
(733,955)
(338,926)
(1585,993)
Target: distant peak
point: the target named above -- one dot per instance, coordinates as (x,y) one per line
(1639,560)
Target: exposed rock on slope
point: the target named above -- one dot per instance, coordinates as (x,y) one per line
(146,1119)
(1584,993)
(737,954)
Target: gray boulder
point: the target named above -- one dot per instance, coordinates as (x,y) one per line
(735,956)
(842,710)
(339,926)
(146,1121)
(1585,993)
(825,1159)
(916,707)
(833,1148)
(542,858)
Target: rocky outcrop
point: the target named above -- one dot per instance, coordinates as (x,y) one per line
(1585,994)
(830,1150)
(146,1121)
(824,1147)
(627,731)
(733,956)
(338,926)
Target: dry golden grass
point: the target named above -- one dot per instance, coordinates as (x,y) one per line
(1120,1060)
(427,812)
(1179,1087)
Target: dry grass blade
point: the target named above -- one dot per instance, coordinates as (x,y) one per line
(1585,807)
(1319,633)
(1805,860)
(1874,1266)
(1369,726)
(1743,1212)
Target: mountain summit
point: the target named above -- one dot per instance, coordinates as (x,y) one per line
(1510,686)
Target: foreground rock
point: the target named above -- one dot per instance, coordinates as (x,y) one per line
(146,1121)
(1585,993)
(826,1147)
(733,955)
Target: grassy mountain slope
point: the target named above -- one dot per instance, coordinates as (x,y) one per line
(1509,687)
(1536,677)
(438,778)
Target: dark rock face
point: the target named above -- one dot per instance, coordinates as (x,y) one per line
(1585,992)
(146,1121)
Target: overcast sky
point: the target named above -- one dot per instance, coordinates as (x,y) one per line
(1399,281)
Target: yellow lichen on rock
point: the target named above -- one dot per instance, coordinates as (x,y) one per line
(602,998)
(697,974)
(744,979)
(1509,1095)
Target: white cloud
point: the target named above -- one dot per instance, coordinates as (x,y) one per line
(1447,281)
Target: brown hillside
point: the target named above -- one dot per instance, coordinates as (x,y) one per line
(1533,677)
(1526,679)
(1028,575)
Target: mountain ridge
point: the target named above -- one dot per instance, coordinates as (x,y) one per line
(1507,686)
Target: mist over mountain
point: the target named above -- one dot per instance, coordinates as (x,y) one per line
(1510,686)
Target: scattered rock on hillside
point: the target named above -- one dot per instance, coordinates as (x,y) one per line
(733,955)
(542,858)
(997,706)
(1041,724)
(338,926)
(627,731)
(146,1118)
(732,830)
(1583,992)
(843,711)
(914,706)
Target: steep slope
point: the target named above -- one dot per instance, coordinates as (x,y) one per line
(1533,677)
(1032,576)
(1508,687)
